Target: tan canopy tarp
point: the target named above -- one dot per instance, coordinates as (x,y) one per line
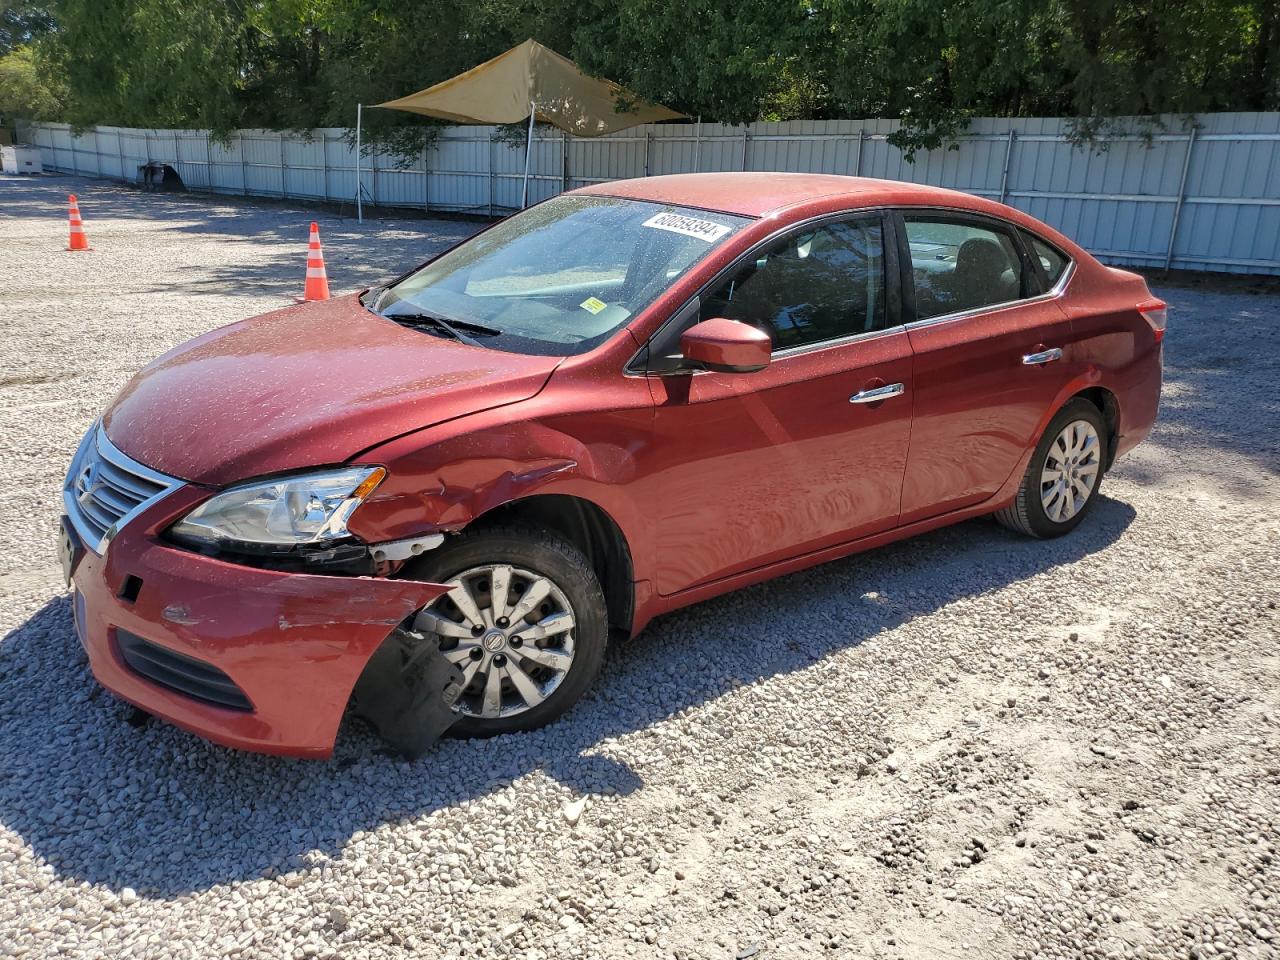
(501,90)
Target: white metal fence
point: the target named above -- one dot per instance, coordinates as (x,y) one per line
(1205,197)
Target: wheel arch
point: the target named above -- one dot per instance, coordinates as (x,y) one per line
(1109,407)
(590,528)
(1087,387)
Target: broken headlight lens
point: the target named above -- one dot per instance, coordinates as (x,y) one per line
(308,509)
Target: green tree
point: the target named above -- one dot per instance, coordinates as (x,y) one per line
(149,62)
(296,64)
(21,22)
(23,92)
(723,60)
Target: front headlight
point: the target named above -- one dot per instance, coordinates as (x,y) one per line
(308,509)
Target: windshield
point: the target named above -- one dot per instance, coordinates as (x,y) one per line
(558,278)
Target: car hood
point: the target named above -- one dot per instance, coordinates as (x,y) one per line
(306,386)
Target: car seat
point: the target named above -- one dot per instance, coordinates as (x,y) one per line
(983,275)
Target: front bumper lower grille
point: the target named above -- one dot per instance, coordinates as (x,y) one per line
(186,675)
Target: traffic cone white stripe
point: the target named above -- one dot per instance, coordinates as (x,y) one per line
(78,239)
(316,286)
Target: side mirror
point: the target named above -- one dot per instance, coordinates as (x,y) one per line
(725,346)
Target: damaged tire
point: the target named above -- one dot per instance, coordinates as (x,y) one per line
(525,622)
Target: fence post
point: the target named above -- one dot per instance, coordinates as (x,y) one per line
(120,152)
(1008,155)
(648,142)
(564,161)
(426,181)
(324,164)
(244,172)
(1182,194)
(857,163)
(208,161)
(284,170)
(746,133)
(697,145)
(489,168)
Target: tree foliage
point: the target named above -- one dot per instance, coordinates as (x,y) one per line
(222,64)
(23,92)
(21,22)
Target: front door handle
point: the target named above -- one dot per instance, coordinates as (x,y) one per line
(876,394)
(1044,356)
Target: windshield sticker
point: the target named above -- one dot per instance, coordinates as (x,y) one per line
(592,305)
(689,226)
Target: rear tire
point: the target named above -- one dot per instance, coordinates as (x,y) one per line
(1062,480)
(533,654)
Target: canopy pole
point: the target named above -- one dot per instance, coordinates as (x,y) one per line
(528,152)
(359,206)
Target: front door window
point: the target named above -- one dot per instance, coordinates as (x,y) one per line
(820,284)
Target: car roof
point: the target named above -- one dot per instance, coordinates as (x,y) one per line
(761,194)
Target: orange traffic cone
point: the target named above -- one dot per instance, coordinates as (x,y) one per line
(317,285)
(78,241)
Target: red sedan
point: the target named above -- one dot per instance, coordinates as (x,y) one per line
(621,401)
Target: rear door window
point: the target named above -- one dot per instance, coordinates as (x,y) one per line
(960,265)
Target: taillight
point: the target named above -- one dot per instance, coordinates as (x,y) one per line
(1156,313)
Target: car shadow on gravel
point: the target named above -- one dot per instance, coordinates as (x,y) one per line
(166,813)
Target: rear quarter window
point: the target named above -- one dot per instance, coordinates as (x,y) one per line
(1053,262)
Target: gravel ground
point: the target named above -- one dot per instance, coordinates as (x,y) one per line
(967,745)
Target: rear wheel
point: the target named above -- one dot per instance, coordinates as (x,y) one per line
(524,619)
(1062,479)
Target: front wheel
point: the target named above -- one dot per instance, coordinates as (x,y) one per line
(524,619)
(1062,479)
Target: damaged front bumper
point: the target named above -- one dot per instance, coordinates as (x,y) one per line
(249,658)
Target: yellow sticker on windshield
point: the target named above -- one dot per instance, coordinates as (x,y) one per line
(593,305)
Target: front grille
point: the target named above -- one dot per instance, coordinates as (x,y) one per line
(186,675)
(105,489)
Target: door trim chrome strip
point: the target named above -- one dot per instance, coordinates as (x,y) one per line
(1056,292)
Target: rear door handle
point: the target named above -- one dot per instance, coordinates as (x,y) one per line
(876,394)
(1044,356)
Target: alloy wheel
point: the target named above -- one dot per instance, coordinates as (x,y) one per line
(1070,471)
(510,630)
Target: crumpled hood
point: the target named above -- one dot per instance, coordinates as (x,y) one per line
(306,386)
